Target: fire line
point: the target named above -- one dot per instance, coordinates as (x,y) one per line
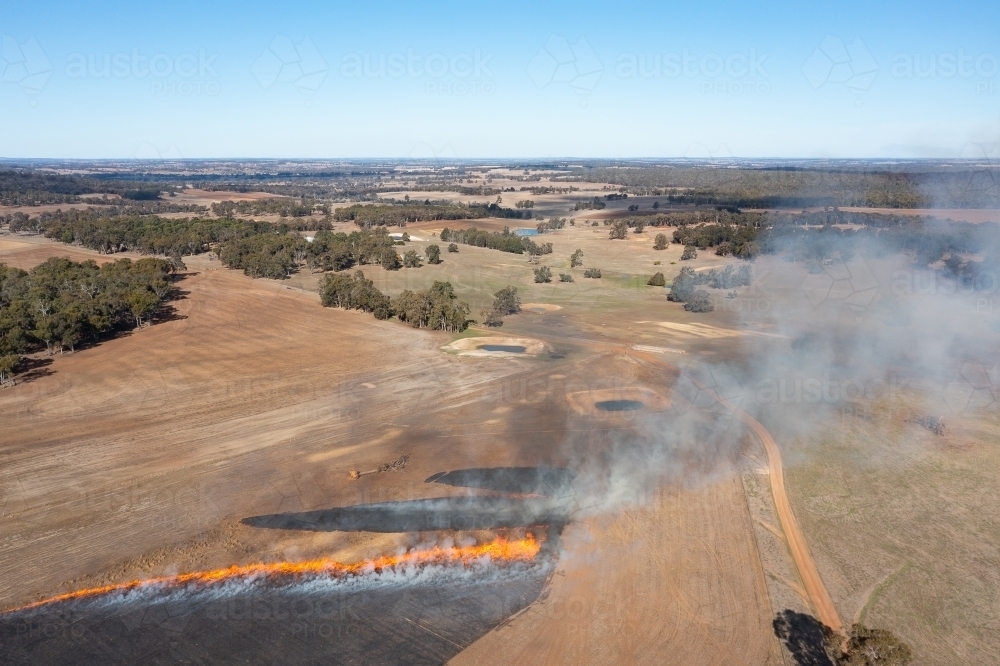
(499,550)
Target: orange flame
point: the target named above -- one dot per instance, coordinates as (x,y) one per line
(501,549)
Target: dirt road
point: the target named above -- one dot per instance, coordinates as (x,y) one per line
(813,582)
(816,589)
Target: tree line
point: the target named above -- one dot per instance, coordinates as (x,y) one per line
(505,241)
(259,249)
(61,303)
(398,215)
(145,234)
(437,308)
(775,186)
(284,207)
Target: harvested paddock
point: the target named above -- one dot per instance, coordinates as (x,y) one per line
(139,457)
(678,581)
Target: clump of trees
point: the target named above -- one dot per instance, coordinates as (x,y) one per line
(619,230)
(699,301)
(543,274)
(592,273)
(340,251)
(867,647)
(593,204)
(354,292)
(534,249)
(273,255)
(576,259)
(62,303)
(660,242)
(551,225)
(684,288)
(434,254)
(411,259)
(437,308)
(727,278)
(728,239)
(505,302)
(505,241)
(812,642)
(690,252)
(657,280)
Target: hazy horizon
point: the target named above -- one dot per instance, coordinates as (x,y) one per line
(450,81)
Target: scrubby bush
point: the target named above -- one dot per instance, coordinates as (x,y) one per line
(565,277)
(543,274)
(592,273)
(657,280)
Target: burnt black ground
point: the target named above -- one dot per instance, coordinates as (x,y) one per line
(408,623)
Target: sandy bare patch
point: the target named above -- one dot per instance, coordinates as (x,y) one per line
(474,346)
(541,307)
(11,244)
(585,402)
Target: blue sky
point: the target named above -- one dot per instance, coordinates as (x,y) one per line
(388,79)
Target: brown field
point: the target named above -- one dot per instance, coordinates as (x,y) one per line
(140,456)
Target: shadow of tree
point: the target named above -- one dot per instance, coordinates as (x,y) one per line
(29,369)
(804,636)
